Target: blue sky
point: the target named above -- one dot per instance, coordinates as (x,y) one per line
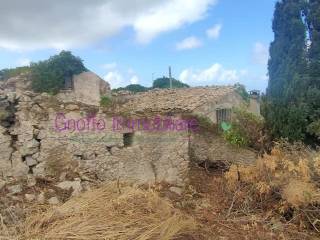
(207,42)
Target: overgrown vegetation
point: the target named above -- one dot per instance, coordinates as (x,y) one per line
(50,75)
(247,130)
(284,183)
(12,72)
(105,101)
(241,90)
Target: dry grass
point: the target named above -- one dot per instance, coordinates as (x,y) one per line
(285,183)
(105,214)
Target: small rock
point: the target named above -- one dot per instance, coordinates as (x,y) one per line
(31,181)
(14,189)
(75,185)
(62,176)
(30,161)
(176,190)
(29,197)
(72,107)
(41,198)
(114,150)
(53,201)
(39,170)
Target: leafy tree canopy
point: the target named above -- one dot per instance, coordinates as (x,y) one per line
(132,88)
(164,82)
(50,75)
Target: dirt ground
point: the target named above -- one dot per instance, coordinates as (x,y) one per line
(205,199)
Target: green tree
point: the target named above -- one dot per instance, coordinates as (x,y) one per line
(164,82)
(50,75)
(132,88)
(285,108)
(287,51)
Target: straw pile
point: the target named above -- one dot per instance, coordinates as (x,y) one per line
(105,213)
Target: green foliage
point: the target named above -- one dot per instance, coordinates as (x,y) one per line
(164,82)
(241,90)
(314,128)
(236,137)
(50,75)
(105,101)
(287,51)
(292,105)
(12,72)
(158,83)
(132,88)
(247,130)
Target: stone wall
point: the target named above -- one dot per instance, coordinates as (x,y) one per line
(88,88)
(227,102)
(212,149)
(38,144)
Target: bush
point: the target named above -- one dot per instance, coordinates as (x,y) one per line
(241,90)
(105,101)
(50,75)
(12,72)
(284,182)
(247,130)
(236,137)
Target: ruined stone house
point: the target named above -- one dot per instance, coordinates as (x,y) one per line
(37,140)
(86,87)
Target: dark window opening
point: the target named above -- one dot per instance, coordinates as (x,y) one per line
(127,139)
(223,115)
(68,82)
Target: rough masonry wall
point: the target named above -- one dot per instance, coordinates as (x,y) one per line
(34,144)
(229,101)
(214,150)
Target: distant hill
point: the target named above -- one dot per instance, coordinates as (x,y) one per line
(132,88)
(163,82)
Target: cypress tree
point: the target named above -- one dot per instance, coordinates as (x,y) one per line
(284,111)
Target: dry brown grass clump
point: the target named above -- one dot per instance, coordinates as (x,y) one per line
(285,181)
(105,213)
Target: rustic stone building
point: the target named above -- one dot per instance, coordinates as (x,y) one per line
(68,133)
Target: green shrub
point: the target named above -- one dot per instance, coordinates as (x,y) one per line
(50,75)
(247,130)
(241,90)
(105,101)
(12,72)
(236,136)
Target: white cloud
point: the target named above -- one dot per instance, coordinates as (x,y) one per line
(189,43)
(23,62)
(134,80)
(260,53)
(60,24)
(119,77)
(114,78)
(215,74)
(169,16)
(214,32)
(110,66)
